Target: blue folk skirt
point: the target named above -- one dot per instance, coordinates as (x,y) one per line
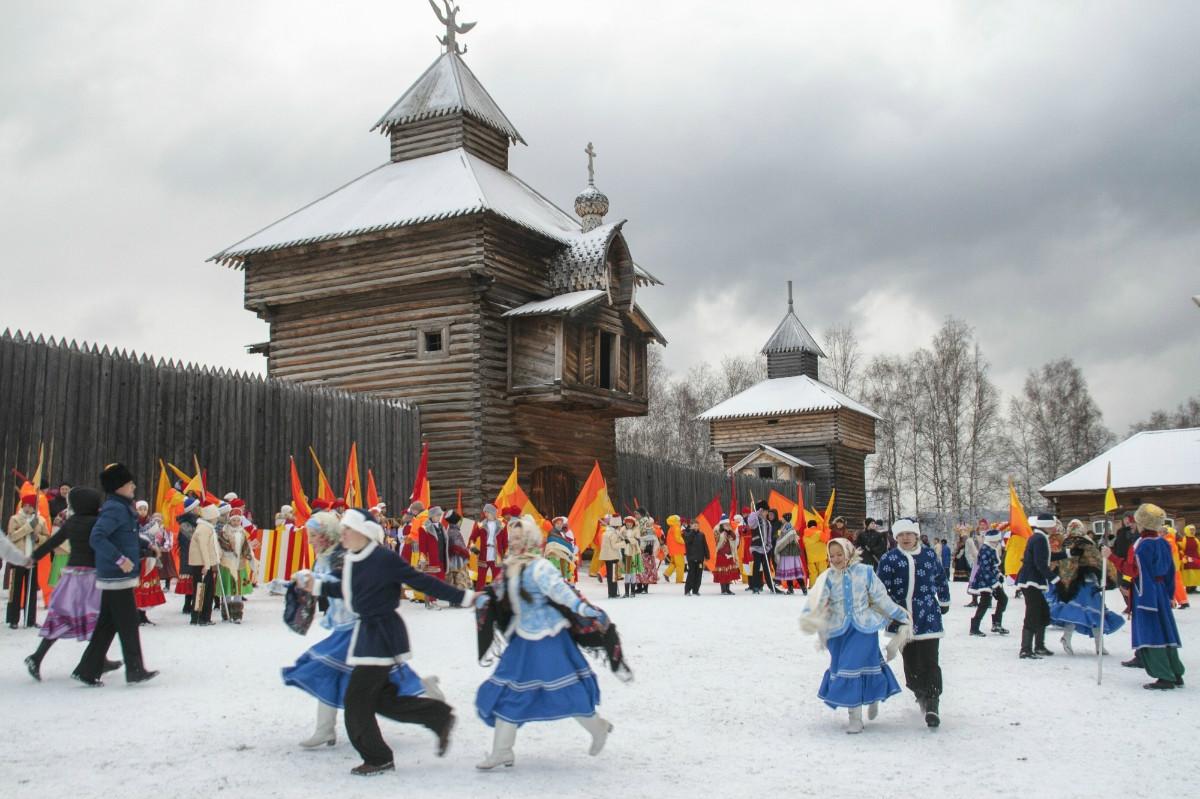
(542,680)
(856,675)
(1083,611)
(322,671)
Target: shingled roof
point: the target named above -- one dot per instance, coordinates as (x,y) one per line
(447,87)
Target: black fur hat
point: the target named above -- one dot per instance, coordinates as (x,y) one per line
(114,476)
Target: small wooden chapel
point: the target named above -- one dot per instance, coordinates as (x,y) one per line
(794,427)
(443,279)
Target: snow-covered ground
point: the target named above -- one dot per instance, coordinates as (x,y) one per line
(723,705)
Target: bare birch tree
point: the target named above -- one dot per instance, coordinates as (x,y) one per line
(842,366)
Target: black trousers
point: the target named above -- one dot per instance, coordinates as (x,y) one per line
(985,602)
(695,573)
(761,573)
(207,583)
(370,692)
(24,587)
(922,674)
(1037,613)
(610,574)
(118,617)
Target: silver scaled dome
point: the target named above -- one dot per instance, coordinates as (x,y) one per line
(591,202)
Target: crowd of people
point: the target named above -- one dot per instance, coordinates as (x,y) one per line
(113,560)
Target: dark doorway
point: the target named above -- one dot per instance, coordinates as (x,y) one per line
(607,341)
(552,490)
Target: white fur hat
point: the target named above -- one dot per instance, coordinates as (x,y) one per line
(357,521)
(906,525)
(230,497)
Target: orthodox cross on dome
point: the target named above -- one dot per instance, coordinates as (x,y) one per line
(452,26)
(591,154)
(789,296)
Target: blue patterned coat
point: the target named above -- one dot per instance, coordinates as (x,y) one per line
(917,582)
(1153,619)
(986,577)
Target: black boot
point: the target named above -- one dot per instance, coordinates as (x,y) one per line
(1039,647)
(1027,652)
(998,628)
(932,719)
(975,631)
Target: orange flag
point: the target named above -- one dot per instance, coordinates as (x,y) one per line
(300,507)
(372,492)
(420,492)
(1018,523)
(708,520)
(352,492)
(828,516)
(324,490)
(458,508)
(512,494)
(592,505)
(781,505)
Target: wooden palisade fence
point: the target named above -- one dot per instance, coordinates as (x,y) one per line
(664,488)
(91,406)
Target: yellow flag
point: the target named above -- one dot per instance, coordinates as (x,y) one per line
(1110,498)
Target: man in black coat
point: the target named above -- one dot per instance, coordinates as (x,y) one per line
(696,552)
(872,543)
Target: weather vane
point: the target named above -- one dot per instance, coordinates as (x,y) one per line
(452,26)
(591,154)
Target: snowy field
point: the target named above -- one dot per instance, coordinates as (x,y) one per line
(723,705)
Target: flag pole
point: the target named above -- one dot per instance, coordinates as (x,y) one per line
(1103,610)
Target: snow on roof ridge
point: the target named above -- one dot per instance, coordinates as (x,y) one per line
(773,397)
(1166,464)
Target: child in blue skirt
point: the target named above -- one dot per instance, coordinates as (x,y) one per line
(846,608)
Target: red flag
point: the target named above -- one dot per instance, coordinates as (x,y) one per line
(372,492)
(420,490)
(708,519)
(324,490)
(352,492)
(458,508)
(299,502)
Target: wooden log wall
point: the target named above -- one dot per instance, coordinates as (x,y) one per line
(437,135)
(93,406)
(785,432)
(663,487)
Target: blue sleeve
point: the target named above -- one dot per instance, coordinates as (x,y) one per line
(403,574)
(551,583)
(943,588)
(101,536)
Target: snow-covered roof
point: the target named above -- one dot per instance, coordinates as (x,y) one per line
(784,395)
(563,303)
(644,277)
(400,193)
(583,263)
(791,335)
(1150,459)
(778,454)
(447,87)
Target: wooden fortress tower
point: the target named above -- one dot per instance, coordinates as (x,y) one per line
(442,279)
(792,426)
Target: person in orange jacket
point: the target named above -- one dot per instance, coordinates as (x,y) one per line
(675,549)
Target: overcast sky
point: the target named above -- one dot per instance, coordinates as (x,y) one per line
(1031,167)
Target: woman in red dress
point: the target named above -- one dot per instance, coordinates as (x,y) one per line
(726,570)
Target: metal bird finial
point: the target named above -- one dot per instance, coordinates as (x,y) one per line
(453,27)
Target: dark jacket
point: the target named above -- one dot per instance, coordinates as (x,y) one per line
(187,526)
(695,546)
(376,577)
(77,530)
(114,536)
(873,544)
(1035,566)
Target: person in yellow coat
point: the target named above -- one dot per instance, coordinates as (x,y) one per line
(675,549)
(815,551)
(1189,551)
(1180,593)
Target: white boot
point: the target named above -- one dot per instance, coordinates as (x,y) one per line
(856,722)
(599,728)
(872,711)
(1068,631)
(502,747)
(325,734)
(432,689)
